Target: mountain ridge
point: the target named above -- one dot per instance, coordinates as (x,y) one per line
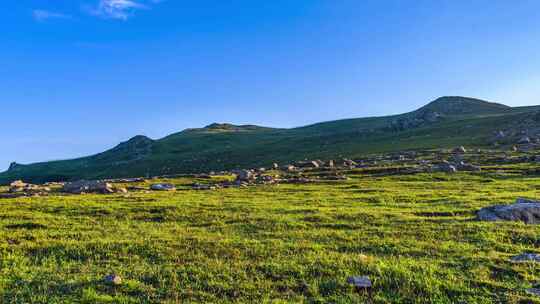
(223,146)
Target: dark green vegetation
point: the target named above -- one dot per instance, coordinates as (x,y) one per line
(414,235)
(446,122)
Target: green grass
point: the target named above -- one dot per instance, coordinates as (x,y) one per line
(414,235)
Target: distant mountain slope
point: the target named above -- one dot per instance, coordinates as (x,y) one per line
(445,122)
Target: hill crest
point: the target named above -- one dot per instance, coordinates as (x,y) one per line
(443,123)
(459,105)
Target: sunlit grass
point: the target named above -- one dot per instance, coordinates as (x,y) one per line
(414,235)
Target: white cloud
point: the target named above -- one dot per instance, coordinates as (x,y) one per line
(43,15)
(120,9)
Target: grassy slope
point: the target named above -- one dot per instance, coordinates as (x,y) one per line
(220,148)
(282,244)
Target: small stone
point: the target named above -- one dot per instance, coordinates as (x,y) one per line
(121,190)
(163,187)
(459,150)
(468,167)
(244,175)
(113,279)
(349,163)
(289,168)
(524,140)
(360,282)
(526,257)
(533,291)
(446,167)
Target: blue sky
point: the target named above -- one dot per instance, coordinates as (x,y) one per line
(78,77)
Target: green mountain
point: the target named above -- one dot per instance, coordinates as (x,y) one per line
(443,123)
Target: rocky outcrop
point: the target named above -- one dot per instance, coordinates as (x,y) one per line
(23,188)
(415,120)
(84,186)
(13,166)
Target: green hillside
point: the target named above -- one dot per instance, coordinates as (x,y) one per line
(443,123)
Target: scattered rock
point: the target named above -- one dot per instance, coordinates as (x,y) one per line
(446,167)
(298,180)
(162,187)
(121,190)
(197,186)
(533,291)
(244,175)
(18,183)
(468,167)
(527,211)
(459,150)
(526,257)
(524,140)
(289,168)
(360,282)
(349,163)
(113,279)
(23,188)
(308,164)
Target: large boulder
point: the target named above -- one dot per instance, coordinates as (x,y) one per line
(84,186)
(524,210)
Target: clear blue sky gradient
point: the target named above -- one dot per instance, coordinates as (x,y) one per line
(75,81)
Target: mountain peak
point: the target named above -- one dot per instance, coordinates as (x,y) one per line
(136,142)
(458,105)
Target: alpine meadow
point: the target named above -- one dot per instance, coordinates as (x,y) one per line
(160,151)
